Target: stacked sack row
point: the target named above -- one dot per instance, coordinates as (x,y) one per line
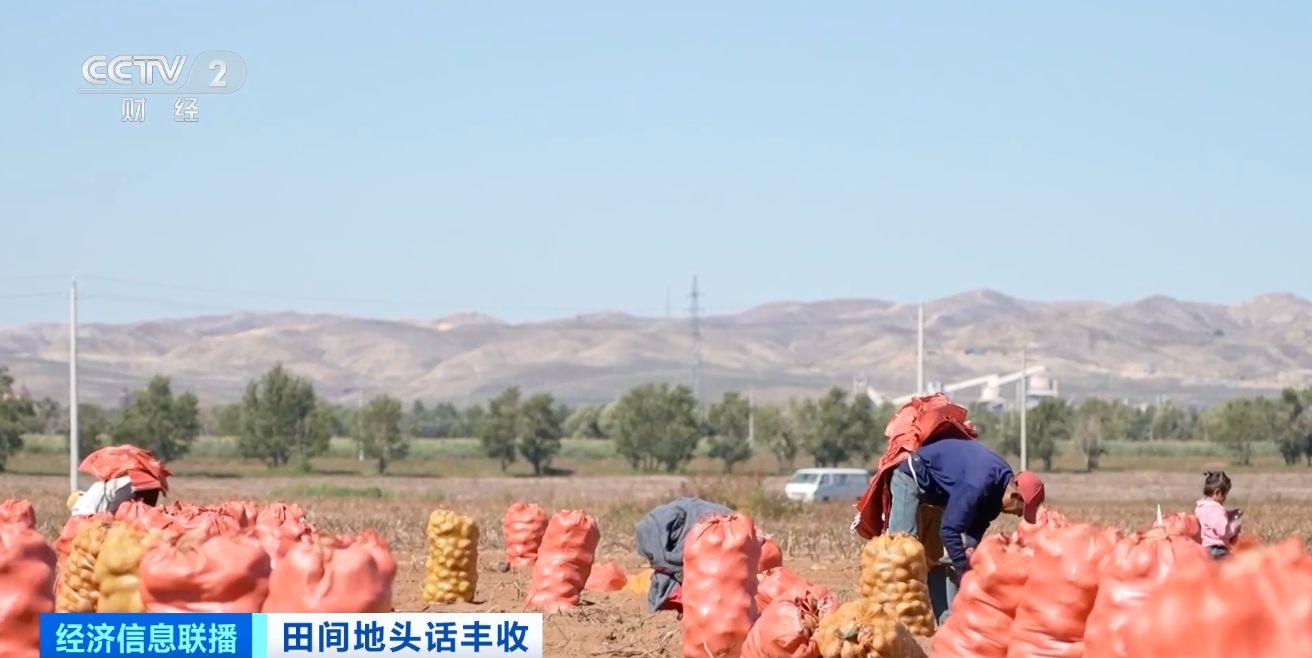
(1062,589)
(232,557)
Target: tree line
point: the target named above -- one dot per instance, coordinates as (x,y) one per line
(282,421)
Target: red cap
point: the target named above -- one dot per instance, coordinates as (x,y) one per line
(1031,491)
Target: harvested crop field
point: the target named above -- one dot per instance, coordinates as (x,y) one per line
(815,539)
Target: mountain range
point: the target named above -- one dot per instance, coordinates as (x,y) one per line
(1159,347)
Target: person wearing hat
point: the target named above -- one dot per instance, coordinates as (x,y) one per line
(973,485)
(121,473)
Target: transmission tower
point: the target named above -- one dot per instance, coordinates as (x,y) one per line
(694,314)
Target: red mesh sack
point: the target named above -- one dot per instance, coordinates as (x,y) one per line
(1256,605)
(1184,525)
(208,523)
(780,583)
(1137,566)
(280,514)
(523,527)
(608,577)
(147,473)
(334,574)
(1051,617)
(142,516)
(785,630)
(1045,518)
(564,561)
(771,555)
(279,527)
(19,512)
(27,582)
(223,573)
(243,512)
(720,554)
(985,606)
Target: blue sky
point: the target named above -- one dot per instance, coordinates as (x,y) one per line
(532,160)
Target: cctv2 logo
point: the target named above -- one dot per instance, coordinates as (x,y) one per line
(211,72)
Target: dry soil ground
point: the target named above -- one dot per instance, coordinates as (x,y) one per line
(814,538)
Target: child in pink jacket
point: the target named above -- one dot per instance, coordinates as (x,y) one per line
(1220,525)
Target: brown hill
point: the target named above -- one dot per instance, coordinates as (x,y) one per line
(1192,352)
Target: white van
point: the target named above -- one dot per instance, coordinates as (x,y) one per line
(821,485)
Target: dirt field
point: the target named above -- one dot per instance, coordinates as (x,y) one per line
(814,538)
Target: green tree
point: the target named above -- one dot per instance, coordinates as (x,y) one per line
(729,420)
(829,439)
(227,419)
(282,420)
(656,426)
(1169,422)
(16,413)
(585,423)
(499,427)
(95,427)
(1294,435)
(157,420)
(864,433)
(380,431)
(538,431)
(1238,424)
(1088,435)
(50,417)
(1046,424)
(778,436)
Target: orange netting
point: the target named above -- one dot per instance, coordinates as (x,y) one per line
(1136,567)
(720,555)
(222,573)
(780,583)
(523,527)
(1185,525)
(27,579)
(279,527)
(1046,518)
(771,555)
(608,577)
(985,606)
(1257,604)
(19,512)
(785,630)
(334,574)
(147,473)
(140,515)
(1050,620)
(564,561)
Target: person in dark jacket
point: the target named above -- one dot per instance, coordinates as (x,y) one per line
(973,485)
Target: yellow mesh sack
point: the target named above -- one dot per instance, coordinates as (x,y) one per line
(116,569)
(893,572)
(451,572)
(78,587)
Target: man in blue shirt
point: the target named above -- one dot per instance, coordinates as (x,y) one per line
(972,484)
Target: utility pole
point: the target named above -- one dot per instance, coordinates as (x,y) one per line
(695,316)
(72,386)
(1024,406)
(920,349)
